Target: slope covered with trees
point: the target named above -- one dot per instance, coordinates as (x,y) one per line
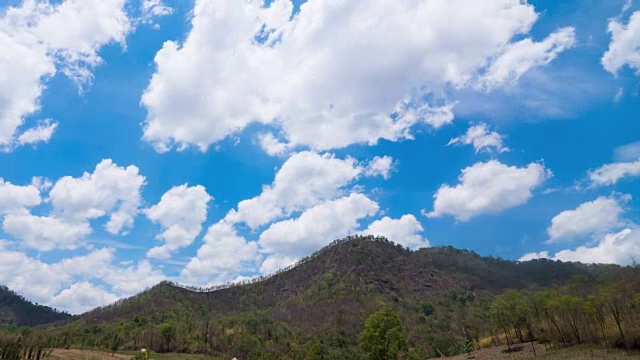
(447,300)
(16,310)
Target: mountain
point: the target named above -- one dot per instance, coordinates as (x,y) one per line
(356,266)
(16,310)
(325,296)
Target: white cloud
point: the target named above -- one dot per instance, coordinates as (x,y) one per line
(481,138)
(488,188)
(39,39)
(520,57)
(40,133)
(317,226)
(16,198)
(70,284)
(617,248)
(276,262)
(181,212)
(41,183)
(82,297)
(593,217)
(28,276)
(109,190)
(331,75)
(535,255)
(380,166)
(97,263)
(304,180)
(610,174)
(271,145)
(152,9)
(624,49)
(45,233)
(132,279)
(404,231)
(627,152)
(223,256)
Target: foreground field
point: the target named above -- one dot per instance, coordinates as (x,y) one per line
(77,354)
(526,352)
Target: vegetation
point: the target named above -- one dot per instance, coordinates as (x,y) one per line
(16,310)
(384,336)
(366,297)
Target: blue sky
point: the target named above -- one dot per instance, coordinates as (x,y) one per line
(206,142)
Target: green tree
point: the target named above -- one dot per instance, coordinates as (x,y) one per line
(384,336)
(167,331)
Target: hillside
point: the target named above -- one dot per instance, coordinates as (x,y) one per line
(353,272)
(16,310)
(326,296)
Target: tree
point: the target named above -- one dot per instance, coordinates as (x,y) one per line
(384,336)
(167,331)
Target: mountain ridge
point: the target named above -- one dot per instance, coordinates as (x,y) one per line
(17,310)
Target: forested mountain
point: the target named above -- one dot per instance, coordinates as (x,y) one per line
(322,302)
(16,310)
(351,272)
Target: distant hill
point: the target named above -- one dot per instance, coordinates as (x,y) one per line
(352,272)
(16,310)
(326,296)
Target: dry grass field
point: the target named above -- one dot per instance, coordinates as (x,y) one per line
(77,354)
(525,351)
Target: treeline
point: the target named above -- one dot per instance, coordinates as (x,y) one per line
(16,310)
(583,311)
(21,344)
(448,302)
(600,312)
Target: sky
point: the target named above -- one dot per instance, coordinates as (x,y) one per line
(212,141)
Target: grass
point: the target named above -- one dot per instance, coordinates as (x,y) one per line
(77,354)
(171,356)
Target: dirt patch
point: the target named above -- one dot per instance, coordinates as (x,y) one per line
(77,354)
(519,351)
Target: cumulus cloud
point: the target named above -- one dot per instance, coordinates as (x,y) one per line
(404,231)
(70,283)
(481,138)
(82,297)
(535,255)
(110,190)
(617,248)
(380,166)
(624,48)
(45,233)
(488,188)
(519,57)
(39,39)
(593,217)
(224,255)
(331,75)
(181,212)
(317,226)
(271,145)
(15,197)
(276,262)
(610,174)
(40,133)
(304,180)
(152,9)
